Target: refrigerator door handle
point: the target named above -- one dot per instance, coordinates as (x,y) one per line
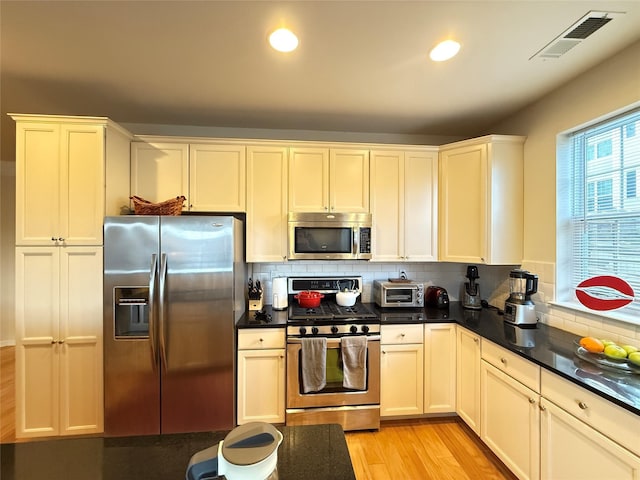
(153,336)
(162,316)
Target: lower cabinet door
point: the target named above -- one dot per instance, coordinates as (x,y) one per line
(401,380)
(510,422)
(571,449)
(261,390)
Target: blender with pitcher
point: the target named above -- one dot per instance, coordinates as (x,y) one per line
(519,309)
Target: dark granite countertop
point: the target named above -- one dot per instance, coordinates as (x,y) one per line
(313,452)
(549,347)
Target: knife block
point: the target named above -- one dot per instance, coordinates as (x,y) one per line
(256,303)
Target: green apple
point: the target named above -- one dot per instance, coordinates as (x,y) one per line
(634,358)
(615,351)
(629,349)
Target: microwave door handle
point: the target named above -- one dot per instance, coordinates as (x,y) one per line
(356,241)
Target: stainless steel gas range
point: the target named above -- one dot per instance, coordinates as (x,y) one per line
(333,357)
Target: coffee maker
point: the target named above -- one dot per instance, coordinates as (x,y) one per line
(471,290)
(519,309)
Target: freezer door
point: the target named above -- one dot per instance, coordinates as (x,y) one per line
(131,368)
(196,323)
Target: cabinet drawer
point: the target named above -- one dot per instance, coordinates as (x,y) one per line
(400,334)
(513,365)
(256,338)
(609,419)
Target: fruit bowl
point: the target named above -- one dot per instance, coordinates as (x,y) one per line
(600,359)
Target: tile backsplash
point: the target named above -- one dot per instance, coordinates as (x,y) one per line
(493,284)
(580,323)
(451,276)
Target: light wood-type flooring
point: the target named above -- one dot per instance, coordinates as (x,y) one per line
(438,449)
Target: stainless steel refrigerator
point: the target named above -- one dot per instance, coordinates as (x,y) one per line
(173,290)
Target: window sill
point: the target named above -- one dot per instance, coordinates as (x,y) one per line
(630,318)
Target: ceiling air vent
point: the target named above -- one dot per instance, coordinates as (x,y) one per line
(575,34)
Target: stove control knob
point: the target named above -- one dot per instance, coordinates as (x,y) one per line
(353,329)
(365,328)
(334,329)
(303,331)
(314,330)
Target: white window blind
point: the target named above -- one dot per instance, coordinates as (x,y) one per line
(600,209)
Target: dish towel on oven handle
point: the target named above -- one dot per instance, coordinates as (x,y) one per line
(314,364)
(354,362)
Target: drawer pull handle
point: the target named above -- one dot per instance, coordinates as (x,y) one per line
(582,405)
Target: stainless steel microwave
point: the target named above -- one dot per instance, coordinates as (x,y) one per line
(398,294)
(329,236)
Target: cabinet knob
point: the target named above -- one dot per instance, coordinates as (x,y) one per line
(60,342)
(582,405)
(503,361)
(532,401)
(476,339)
(261,340)
(53,342)
(542,408)
(53,239)
(384,352)
(60,239)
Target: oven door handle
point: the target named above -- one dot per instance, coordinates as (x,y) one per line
(333,342)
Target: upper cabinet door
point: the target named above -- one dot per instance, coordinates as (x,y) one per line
(59,183)
(82,174)
(387,205)
(421,206)
(160,171)
(463,204)
(217,178)
(349,181)
(308,179)
(266,203)
(37,183)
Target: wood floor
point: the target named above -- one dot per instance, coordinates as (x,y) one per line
(433,449)
(438,449)
(7,395)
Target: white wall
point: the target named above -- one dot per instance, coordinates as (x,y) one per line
(609,87)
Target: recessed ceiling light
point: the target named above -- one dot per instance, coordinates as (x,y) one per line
(283,40)
(444,51)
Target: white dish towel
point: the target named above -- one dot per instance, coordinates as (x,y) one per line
(314,364)
(354,360)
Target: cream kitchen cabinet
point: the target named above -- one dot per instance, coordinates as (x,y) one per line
(62,166)
(59,387)
(510,418)
(261,375)
(210,175)
(160,171)
(328,179)
(481,200)
(401,370)
(404,186)
(217,178)
(439,368)
(267,203)
(468,377)
(572,449)
(585,436)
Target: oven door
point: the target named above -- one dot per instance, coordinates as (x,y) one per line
(334,394)
(400,296)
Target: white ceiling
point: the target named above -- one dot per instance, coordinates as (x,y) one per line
(361,66)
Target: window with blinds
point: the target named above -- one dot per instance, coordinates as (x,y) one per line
(599,216)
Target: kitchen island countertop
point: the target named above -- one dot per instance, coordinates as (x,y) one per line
(312,452)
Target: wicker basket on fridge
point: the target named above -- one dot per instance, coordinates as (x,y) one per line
(173,206)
